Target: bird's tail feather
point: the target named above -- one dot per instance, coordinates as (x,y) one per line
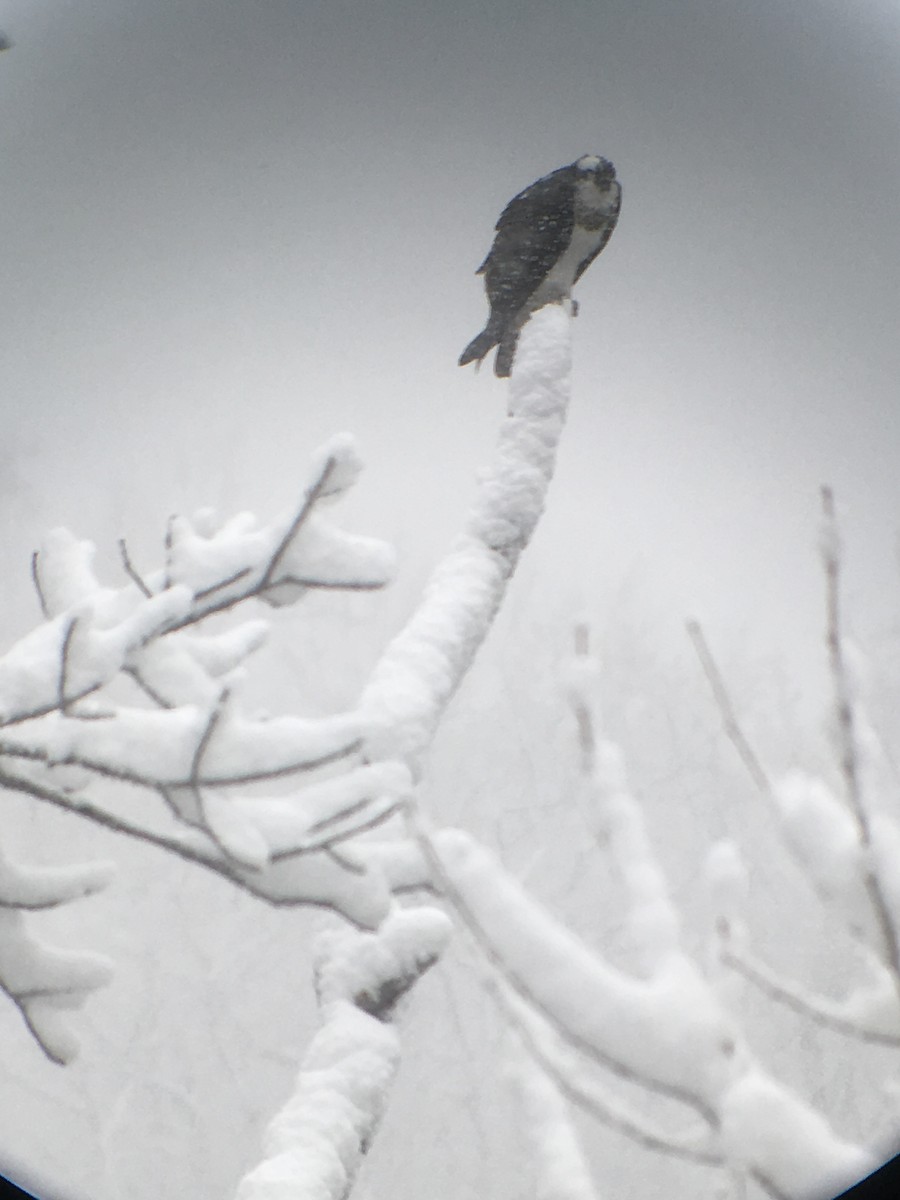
(478,347)
(506,353)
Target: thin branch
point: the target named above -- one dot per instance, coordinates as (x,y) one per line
(29,1024)
(253,884)
(847,736)
(726,710)
(792,997)
(215,717)
(125,775)
(586,739)
(61,702)
(130,571)
(775,1193)
(205,593)
(36,580)
(346,864)
(148,691)
(520,987)
(167,546)
(594,1104)
(333,839)
(311,499)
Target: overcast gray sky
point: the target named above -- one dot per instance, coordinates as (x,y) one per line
(231,228)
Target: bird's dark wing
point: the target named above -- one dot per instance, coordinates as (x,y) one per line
(531,233)
(610,226)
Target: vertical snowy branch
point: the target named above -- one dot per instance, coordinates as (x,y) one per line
(559,1167)
(665,1029)
(422,668)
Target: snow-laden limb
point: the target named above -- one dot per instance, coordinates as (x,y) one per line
(868,1013)
(123,684)
(92,632)
(584,1086)
(559,1170)
(848,854)
(315,1145)
(654,925)
(668,1032)
(785,1145)
(664,1028)
(159,747)
(421,669)
(45,982)
(763,1128)
(874,872)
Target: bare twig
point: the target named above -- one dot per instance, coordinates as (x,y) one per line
(130,570)
(726,710)
(586,739)
(596,1105)
(253,882)
(329,841)
(791,997)
(312,497)
(36,580)
(846,733)
(62,702)
(157,698)
(205,593)
(167,545)
(215,717)
(126,775)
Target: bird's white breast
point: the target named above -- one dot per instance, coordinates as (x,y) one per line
(593,205)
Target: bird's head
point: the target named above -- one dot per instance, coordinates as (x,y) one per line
(601,169)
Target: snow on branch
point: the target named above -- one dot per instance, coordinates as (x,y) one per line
(878,890)
(422,668)
(315,1145)
(559,1168)
(123,687)
(45,982)
(845,842)
(663,1028)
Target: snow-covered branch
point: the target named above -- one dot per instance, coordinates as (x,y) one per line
(422,668)
(125,688)
(315,1145)
(559,1168)
(846,845)
(877,888)
(663,1028)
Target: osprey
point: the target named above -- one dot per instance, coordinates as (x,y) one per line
(546,238)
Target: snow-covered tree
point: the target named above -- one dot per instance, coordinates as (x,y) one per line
(124,707)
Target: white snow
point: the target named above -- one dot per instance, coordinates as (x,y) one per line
(418,673)
(310,817)
(313,1147)
(885,852)
(768,1127)
(44,887)
(826,840)
(726,880)
(44,982)
(558,1168)
(669,1028)
(30,672)
(159,746)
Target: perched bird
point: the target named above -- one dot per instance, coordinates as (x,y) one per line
(546,238)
